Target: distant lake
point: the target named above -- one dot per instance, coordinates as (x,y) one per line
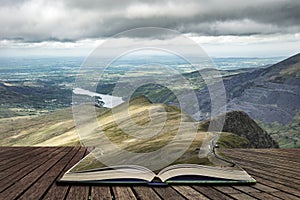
(109,101)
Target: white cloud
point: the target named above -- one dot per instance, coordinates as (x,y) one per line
(75,24)
(39,20)
(146,10)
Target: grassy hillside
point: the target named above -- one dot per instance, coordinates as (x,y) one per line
(58,129)
(286,135)
(54,129)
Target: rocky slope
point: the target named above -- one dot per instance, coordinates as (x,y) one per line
(270,94)
(239,123)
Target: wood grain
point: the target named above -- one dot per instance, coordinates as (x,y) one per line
(31,173)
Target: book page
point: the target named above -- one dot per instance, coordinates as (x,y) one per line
(191,156)
(111,173)
(233,173)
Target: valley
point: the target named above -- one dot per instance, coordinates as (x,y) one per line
(36,97)
(146,128)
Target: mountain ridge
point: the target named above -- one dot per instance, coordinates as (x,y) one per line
(261,93)
(58,127)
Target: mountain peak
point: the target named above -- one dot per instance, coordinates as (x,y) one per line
(140,100)
(286,71)
(239,123)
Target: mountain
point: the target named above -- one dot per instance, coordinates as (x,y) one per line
(157,126)
(269,95)
(58,128)
(239,123)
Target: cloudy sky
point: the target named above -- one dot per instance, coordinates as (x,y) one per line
(221,27)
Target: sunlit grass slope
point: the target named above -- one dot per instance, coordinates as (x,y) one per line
(142,127)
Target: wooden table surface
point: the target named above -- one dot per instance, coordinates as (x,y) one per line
(31,173)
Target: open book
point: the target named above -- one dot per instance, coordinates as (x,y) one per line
(89,170)
(151,143)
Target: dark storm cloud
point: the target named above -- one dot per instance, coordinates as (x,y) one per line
(69,20)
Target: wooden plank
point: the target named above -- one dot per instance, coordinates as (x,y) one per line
(167,193)
(268,176)
(227,189)
(277,157)
(278,186)
(269,169)
(283,195)
(261,155)
(60,191)
(232,192)
(12,152)
(266,158)
(266,165)
(18,156)
(264,188)
(288,150)
(8,149)
(263,195)
(18,165)
(286,165)
(278,154)
(255,192)
(123,193)
(78,192)
(275,178)
(242,196)
(246,189)
(189,192)
(211,193)
(37,189)
(26,168)
(273,191)
(4,149)
(145,193)
(23,184)
(101,192)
